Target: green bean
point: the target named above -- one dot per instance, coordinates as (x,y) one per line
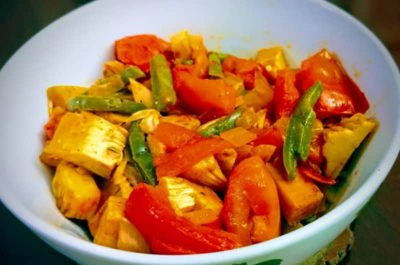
(94,103)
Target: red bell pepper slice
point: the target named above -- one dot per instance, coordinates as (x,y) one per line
(244,68)
(312,174)
(182,159)
(286,95)
(203,95)
(139,49)
(340,96)
(149,210)
(174,136)
(251,209)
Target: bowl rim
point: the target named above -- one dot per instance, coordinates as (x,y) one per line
(351,204)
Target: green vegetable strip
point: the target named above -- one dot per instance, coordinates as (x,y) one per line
(299,133)
(140,154)
(94,103)
(215,67)
(161,83)
(131,72)
(222,125)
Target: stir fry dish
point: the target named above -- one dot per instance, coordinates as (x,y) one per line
(178,149)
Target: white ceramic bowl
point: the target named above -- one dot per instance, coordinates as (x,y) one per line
(72,50)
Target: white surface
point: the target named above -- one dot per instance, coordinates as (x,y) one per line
(72,50)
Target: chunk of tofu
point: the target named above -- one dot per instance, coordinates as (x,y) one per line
(89,141)
(58,96)
(111,229)
(196,203)
(341,141)
(298,198)
(208,173)
(76,193)
(48,159)
(273,59)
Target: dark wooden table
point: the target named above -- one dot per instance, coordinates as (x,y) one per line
(377,230)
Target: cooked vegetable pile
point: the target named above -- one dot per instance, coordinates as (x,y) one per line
(177,149)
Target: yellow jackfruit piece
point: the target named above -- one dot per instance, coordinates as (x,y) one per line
(112,67)
(341,140)
(89,141)
(106,86)
(118,184)
(130,239)
(76,193)
(111,229)
(196,203)
(226,159)
(208,173)
(187,121)
(107,220)
(58,96)
(273,59)
(141,94)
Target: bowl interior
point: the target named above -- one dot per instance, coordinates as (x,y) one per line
(72,50)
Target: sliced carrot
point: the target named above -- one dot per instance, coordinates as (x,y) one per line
(174,136)
(182,159)
(139,49)
(204,95)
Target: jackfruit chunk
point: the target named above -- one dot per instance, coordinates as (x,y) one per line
(111,229)
(58,96)
(341,140)
(130,239)
(108,219)
(208,173)
(273,59)
(88,141)
(187,121)
(124,178)
(298,198)
(196,203)
(76,193)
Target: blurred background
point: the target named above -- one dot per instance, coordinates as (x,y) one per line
(377,230)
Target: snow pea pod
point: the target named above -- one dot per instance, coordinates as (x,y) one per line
(141,156)
(97,103)
(299,133)
(221,125)
(161,83)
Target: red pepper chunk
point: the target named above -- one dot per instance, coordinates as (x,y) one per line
(182,159)
(312,174)
(139,49)
(244,68)
(149,210)
(203,95)
(340,95)
(286,94)
(251,208)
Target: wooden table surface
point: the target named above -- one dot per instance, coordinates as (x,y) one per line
(377,230)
